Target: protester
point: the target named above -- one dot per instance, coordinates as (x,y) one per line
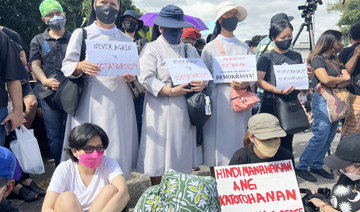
(262,142)
(225,127)
(281,34)
(11,72)
(168,139)
(323,60)
(190,35)
(345,194)
(130,25)
(88,181)
(350,57)
(29,98)
(7,169)
(106,100)
(200,44)
(47,51)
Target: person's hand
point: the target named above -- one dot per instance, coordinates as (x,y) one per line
(180,90)
(287,91)
(345,75)
(51,83)
(129,77)
(310,72)
(197,86)
(239,85)
(88,68)
(357,51)
(15,118)
(317,202)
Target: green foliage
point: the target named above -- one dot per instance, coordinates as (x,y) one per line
(350,14)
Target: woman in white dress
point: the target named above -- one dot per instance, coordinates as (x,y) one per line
(225,130)
(105,101)
(167,138)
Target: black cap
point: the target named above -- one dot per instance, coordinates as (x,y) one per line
(347,152)
(133,14)
(281,16)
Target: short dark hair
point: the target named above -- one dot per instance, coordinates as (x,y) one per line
(355,31)
(80,135)
(277,27)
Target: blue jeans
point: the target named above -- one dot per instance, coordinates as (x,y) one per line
(324,133)
(3,114)
(55,121)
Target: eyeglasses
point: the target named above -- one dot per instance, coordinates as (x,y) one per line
(231,14)
(90,149)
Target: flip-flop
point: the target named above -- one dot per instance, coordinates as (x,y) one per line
(25,194)
(33,187)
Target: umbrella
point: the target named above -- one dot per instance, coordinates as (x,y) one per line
(148,19)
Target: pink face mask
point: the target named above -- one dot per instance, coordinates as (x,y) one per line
(91,160)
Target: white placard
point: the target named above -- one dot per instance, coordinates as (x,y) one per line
(287,75)
(184,70)
(265,187)
(240,68)
(114,58)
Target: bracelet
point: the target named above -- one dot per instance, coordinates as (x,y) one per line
(170,91)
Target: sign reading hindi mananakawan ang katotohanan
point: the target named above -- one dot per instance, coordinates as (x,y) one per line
(259,187)
(185,70)
(288,75)
(113,58)
(239,68)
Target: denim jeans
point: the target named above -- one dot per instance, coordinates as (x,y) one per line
(3,114)
(324,133)
(55,121)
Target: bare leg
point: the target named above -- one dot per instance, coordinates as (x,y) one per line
(30,109)
(155,180)
(104,196)
(67,201)
(212,171)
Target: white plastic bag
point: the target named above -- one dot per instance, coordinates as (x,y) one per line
(26,150)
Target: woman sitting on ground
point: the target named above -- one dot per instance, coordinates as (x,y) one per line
(88,181)
(262,142)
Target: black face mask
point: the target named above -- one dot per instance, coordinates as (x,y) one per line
(130,26)
(106,14)
(283,45)
(229,23)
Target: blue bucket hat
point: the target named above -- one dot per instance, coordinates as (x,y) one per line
(171,16)
(133,14)
(7,165)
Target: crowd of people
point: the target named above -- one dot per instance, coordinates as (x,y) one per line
(128,122)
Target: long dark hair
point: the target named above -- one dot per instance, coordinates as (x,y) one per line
(325,43)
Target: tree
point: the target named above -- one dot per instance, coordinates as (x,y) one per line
(350,14)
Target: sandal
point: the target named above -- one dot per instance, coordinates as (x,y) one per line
(25,194)
(35,188)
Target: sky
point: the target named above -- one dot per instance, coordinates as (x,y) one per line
(259,14)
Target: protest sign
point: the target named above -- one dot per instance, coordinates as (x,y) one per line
(184,70)
(287,75)
(265,187)
(114,58)
(240,68)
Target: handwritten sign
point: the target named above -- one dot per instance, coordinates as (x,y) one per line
(240,68)
(184,70)
(259,187)
(114,58)
(287,75)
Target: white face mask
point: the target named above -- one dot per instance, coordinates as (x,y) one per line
(353,176)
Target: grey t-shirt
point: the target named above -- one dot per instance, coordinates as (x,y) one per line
(320,62)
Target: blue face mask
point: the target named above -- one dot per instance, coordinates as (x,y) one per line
(173,36)
(57,22)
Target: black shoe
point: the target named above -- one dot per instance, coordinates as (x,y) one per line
(33,187)
(305,174)
(322,173)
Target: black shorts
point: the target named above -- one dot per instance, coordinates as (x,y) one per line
(26,89)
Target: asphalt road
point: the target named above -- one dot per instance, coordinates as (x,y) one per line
(138,183)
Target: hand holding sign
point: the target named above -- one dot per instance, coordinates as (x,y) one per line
(88,68)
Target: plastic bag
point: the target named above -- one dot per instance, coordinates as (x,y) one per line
(26,150)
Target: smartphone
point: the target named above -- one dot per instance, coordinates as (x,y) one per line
(7,128)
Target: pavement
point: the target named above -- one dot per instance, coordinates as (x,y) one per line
(138,182)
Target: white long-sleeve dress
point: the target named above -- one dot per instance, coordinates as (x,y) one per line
(168,140)
(225,130)
(106,101)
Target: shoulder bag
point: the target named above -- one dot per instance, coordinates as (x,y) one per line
(243,99)
(68,94)
(337,99)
